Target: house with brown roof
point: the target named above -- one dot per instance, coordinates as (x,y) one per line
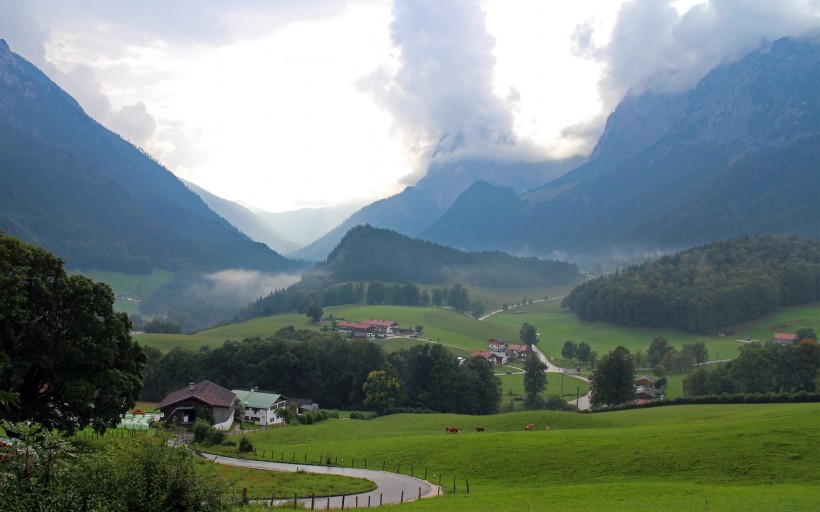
(381,326)
(182,406)
(498,344)
(518,351)
(645,381)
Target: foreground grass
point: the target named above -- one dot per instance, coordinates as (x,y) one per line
(738,457)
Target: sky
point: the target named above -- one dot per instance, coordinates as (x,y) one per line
(285,104)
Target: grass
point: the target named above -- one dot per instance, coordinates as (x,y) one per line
(138,286)
(705,457)
(261,484)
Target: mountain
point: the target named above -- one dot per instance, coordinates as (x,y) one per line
(85,194)
(739,154)
(415,208)
(367,253)
(245,220)
(306,225)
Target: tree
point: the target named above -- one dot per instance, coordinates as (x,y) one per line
(66,357)
(477,308)
(613,378)
(459,298)
(535,382)
(806,333)
(314,312)
(381,389)
(569,349)
(376,293)
(583,351)
(528,334)
(698,349)
(657,349)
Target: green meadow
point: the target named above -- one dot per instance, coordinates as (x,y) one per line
(706,457)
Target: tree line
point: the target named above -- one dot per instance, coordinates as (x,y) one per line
(705,288)
(333,371)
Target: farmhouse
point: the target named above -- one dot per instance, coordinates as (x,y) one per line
(645,381)
(183,405)
(304,404)
(645,394)
(347,326)
(498,344)
(261,407)
(784,338)
(493,357)
(518,352)
(381,326)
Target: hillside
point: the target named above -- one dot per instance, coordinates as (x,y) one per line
(85,194)
(725,159)
(416,207)
(705,288)
(367,253)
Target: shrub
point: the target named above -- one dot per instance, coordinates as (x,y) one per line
(245,445)
(363,415)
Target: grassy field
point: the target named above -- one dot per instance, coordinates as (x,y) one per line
(715,458)
(139,287)
(262,484)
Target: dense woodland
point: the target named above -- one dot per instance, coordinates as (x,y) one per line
(333,372)
(706,288)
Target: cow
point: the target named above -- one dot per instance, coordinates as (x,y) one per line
(530,426)
(452,430)
(479,429)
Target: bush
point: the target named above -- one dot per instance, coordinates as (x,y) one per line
(363,415)
(201,430)
(245,446)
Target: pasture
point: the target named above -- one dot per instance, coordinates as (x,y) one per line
(705,457)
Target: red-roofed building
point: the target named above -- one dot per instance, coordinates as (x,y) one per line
(381,326)
(182,406)
(345,325)
(784,338)
(519,352)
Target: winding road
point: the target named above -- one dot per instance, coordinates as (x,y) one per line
(391,488)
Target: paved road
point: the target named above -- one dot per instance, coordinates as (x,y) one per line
(390,487)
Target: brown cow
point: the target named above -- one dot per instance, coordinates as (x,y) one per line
(452,430)
(530,426)
(479,429)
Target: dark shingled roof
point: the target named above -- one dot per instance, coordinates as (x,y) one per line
(204,391)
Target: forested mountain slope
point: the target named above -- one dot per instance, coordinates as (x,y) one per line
(727,158)
(705,288)
(82,192)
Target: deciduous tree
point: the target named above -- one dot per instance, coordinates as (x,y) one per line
(66,357)
(613,378)
(535,382)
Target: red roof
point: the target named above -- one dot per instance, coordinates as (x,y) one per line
(518,348)
(204,391)
(784,336)
(480,353)
(354,326)
(380,323)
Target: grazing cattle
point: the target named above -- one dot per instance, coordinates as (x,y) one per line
(452,430)
(530,426)
(479,429)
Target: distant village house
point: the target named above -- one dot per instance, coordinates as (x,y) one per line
(182,406)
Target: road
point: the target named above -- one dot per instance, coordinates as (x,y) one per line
(391,488)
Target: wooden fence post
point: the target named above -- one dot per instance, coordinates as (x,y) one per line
(468,486)
(402,497)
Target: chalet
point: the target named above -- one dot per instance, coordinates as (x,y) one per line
(518,352)
(304,404)
(646,382)
(182,406)
(347,326)
(645,394)
(493,357)
(784,338)
(261,407)
(498,344)
(381,326)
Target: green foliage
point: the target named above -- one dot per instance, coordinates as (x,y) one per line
(66,358)
(612,380)
(528,334)
(703,289)
(363,415)
(382,389)
(161,326)
(245,445)
(535,382)
(125,475)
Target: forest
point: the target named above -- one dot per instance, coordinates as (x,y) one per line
(707,288)
(335,372)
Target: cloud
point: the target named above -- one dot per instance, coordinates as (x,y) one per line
(654,47)
(440,94)
(246,285)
